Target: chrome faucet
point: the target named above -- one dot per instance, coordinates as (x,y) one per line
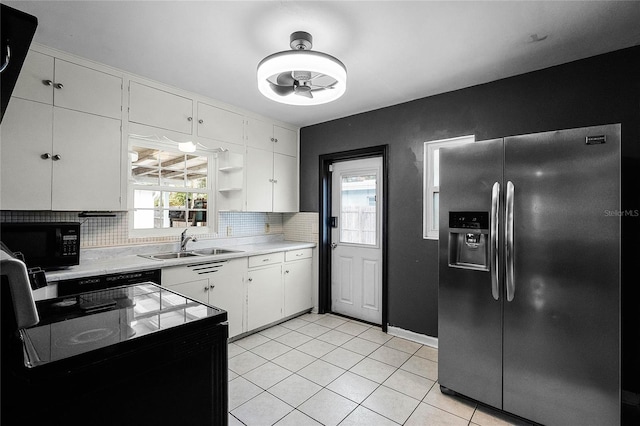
(184,239)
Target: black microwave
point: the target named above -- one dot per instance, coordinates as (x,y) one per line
(48,245)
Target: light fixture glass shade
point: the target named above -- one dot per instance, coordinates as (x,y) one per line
(187,146)
(302,60)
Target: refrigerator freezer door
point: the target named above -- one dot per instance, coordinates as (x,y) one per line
(469,318)
(561,330)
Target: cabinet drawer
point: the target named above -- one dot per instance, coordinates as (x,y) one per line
(298,254)
(266,259)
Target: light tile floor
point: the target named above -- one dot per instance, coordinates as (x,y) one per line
(329,370)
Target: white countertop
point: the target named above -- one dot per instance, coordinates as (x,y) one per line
(129,259)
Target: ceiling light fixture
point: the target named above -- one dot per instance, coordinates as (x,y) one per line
(301,76)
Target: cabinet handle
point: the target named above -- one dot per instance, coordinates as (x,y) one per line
(273,140)
(45,156)
(189,118)
(266,260)
(7,58)
(286,272)
(57,157)
(59,86)
(274,180)
(201,121)
(250,279)
(299,254)
(212,286)
(47,82)
(206,288)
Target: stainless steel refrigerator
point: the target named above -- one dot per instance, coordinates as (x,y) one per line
(529,275)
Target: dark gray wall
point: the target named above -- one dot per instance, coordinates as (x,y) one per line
(599,90)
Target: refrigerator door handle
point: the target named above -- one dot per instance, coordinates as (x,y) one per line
(508,235)
(493,247)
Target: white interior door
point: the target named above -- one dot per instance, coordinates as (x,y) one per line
(356,239)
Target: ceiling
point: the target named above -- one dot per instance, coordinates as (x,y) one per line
(394,51)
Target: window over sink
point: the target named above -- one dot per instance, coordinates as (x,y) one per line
(169,189)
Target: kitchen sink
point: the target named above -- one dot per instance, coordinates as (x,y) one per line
(191,253)
(175,255)
(214,251)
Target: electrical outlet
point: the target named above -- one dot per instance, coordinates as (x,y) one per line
(229,231)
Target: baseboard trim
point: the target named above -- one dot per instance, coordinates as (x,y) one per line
(413,336)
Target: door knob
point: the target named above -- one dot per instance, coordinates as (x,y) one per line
(334,245)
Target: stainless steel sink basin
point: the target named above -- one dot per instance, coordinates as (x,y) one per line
(163,256)
(191,253)
(213,251)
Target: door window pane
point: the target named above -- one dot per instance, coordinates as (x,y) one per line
(358,215)
(436,167)
(436,210)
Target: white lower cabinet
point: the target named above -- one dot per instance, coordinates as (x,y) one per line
(264,296)
(278,285)
(218,283)
(281,289)
(265,293)
(297,277)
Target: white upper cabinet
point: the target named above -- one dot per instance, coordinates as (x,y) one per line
(272,182)
(259,172)
(25,156)
(33,83)
(86,175)
(285,141)
(84,89)
(259,134)
(217,123)
(272,167)
(270,137)
(158,108)
(59,159)
(61,83)
(285,183)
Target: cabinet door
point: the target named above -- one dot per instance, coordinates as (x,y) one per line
(220,124)
(157,108)
(87,175)
(198,290)
(25,137)
(264,296)
(85,89)
(286,141)
(226,291)
(259,134)
(36,71)
(297,278)
(285,183)
(259,172)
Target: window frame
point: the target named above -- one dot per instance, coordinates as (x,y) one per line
(429,231)
(209,190)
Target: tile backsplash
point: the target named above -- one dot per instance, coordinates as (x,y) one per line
(113,231)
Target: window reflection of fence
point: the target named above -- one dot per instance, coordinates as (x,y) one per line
(358,225)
